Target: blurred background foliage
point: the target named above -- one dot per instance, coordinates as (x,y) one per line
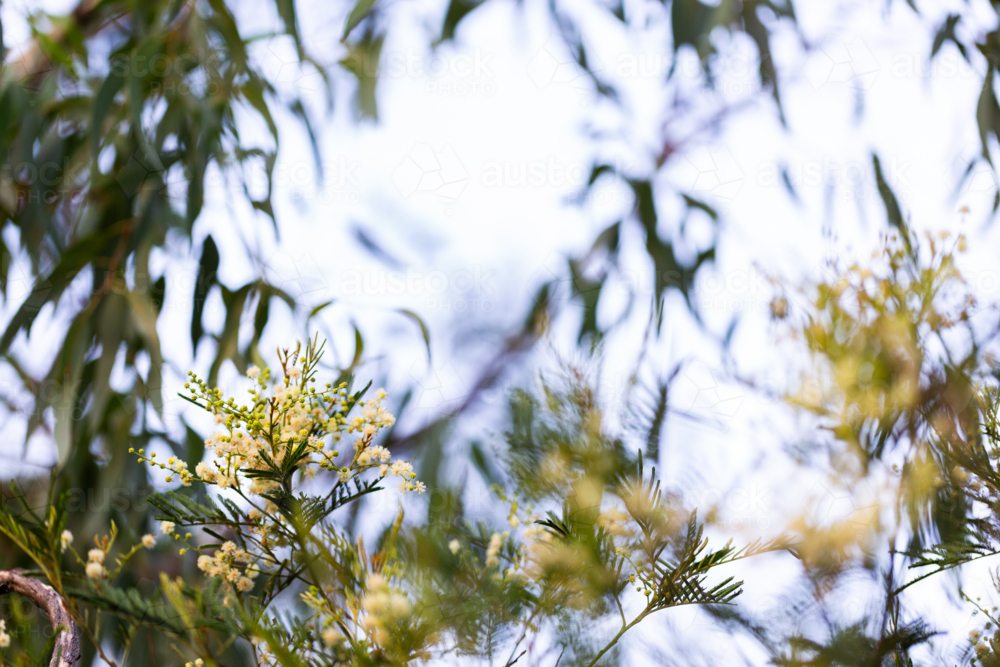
(118,111)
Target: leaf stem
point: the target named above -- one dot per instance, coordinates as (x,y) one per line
(625,628)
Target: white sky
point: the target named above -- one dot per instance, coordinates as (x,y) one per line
(437,183)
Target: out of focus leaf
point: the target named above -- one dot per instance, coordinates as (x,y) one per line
(362,61)
(361,9)
(457,10)
(49,288)
(762,37)
(668,271)
(102,104)
(208,269)
(424,331)
(229,338)
(692,22)
(318,309)
(144,316)
(946,33)
(892,210)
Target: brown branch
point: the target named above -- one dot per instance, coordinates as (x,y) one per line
(67,647)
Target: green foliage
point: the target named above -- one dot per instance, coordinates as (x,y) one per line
(110,120)
(283,581)
(587,525)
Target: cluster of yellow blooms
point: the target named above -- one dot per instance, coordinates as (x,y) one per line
(374,610)
(492,551)
(287,428)
(290,418)
(382,606)
(223,563)
(982,640)
(287,432)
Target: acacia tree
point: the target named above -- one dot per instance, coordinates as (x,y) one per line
(288,586)
(906,384)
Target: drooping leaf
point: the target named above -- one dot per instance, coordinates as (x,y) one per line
(892,210)
(208,269)
(946,33)
(424,331)
(361,9)
(457,10)
(362,61)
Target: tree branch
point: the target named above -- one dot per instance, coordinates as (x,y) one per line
(67,646)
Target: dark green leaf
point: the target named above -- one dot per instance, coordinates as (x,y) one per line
(208,269)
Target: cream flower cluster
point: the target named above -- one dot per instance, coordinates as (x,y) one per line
(95,563)
(289,418)
(286,432)
(493,550)
(616,522)
(331,636)
(4,637)
(404,470)
(382,606)
(232,564)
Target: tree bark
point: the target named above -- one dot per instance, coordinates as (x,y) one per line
(67,647)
